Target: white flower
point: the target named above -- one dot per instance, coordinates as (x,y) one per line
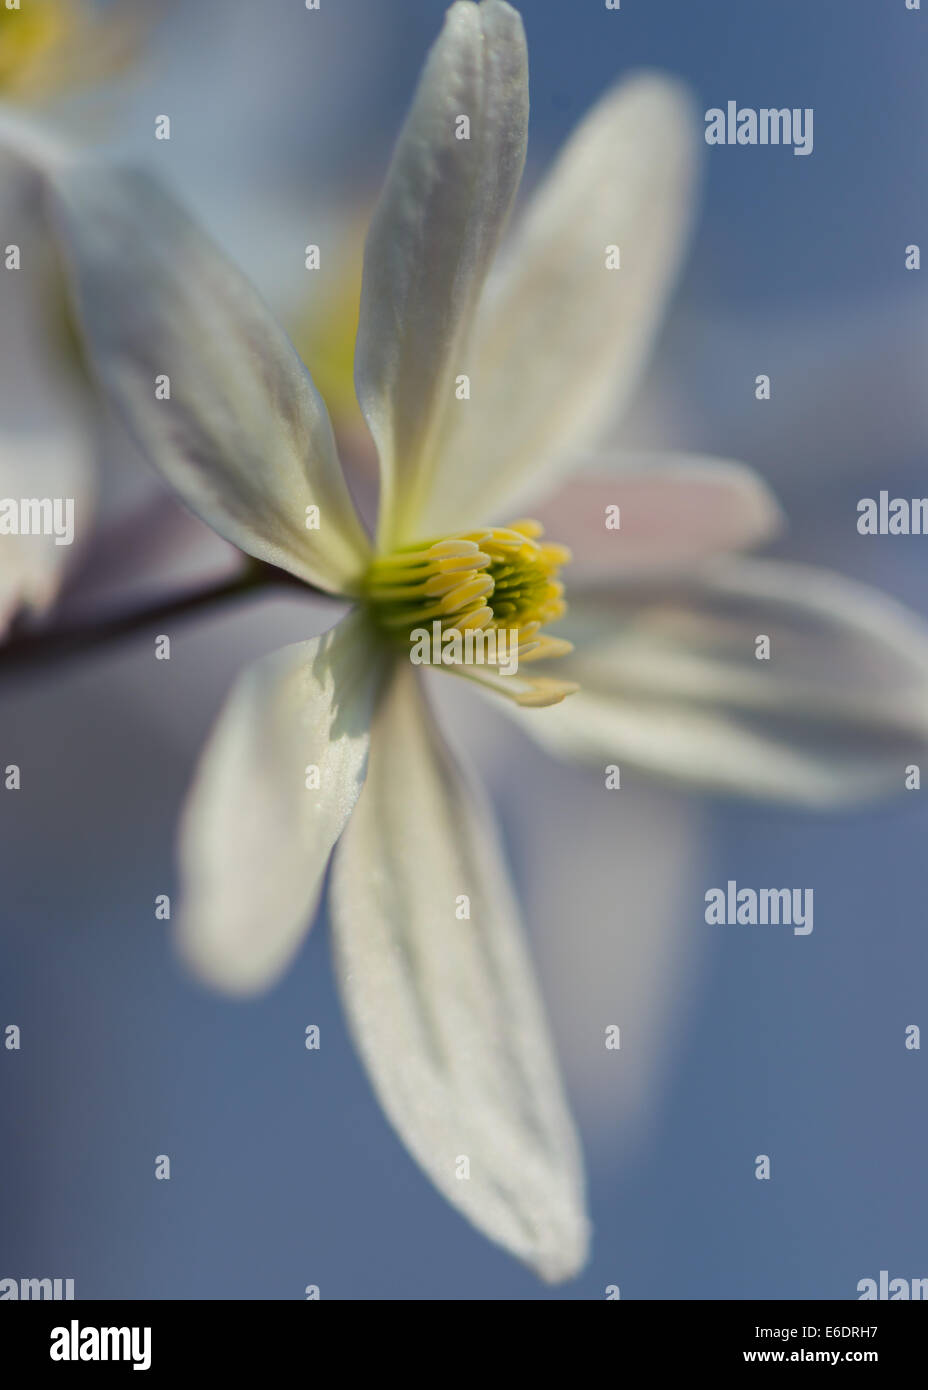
(443,1004)
(46,437)
(48,49)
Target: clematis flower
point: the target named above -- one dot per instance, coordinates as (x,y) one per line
(47,435)
(49,49)
(331,743)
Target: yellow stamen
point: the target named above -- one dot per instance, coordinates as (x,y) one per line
(501,577)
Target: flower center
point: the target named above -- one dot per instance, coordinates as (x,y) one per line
(29,35)
(502,577)
(52,46)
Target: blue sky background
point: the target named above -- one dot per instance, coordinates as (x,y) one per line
(284,1171)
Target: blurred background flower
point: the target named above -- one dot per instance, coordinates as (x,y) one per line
(253,163)
(52,53)
(50,49)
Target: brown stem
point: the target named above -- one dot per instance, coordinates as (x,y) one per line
(31,650)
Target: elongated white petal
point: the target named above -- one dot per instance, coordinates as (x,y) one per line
(670,682)
(560,342)
(661,513)
(50,466)
(46,432)
(636,966)
(442,1000)
(436,227)
(243,436)
(276,783)
(640,965)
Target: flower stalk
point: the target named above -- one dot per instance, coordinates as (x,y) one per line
(26,651)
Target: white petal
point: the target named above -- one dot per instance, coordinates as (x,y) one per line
(46,436)
(670,683)
(636,966)
(444,1011)
(255,840)
(43,463)
(244,438)
(435,230)
(640,966)
(673,510)
(560,342)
